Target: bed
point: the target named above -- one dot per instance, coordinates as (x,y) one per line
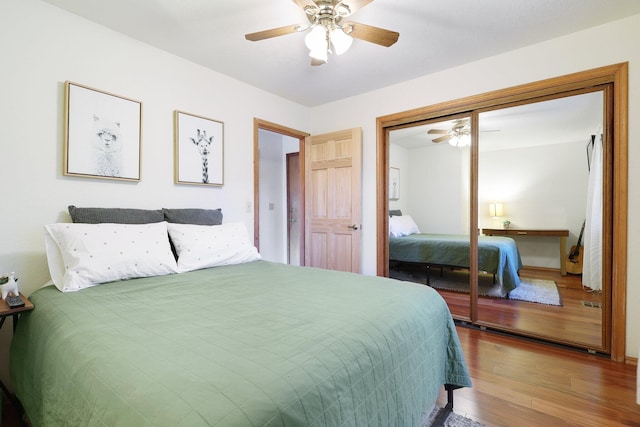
(497,255)
(238,343)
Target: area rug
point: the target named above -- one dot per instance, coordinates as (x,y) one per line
(529,290)
(453,420)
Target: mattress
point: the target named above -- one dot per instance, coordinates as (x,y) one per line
(498,255)
(255,344)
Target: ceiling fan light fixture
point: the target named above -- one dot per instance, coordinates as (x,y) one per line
(316,39)
(321,55)
(463,140)
(340,40)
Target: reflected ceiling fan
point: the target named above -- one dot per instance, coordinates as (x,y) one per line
(327,31)
(459,135)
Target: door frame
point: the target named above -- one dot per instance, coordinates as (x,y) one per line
(282,130)
(300,221)
(617,76)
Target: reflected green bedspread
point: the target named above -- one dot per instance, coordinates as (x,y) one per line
(498,255)
(258,344)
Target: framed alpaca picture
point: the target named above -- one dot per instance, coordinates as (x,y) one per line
(199,150)
(102,134)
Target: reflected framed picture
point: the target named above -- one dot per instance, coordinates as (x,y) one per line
(199,150)
(394,183)
(102,134)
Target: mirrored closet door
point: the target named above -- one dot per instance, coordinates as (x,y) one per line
(528,181)
(540,207)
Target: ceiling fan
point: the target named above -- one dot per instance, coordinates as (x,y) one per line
(327,31)
(459,135)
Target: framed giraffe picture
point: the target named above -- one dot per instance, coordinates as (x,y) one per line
(199,150)
(102,134)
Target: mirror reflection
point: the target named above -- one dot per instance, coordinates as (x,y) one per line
(429,215)
(540,213)
(540,184)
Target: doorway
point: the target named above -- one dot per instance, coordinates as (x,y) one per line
(612,81)
(278,192)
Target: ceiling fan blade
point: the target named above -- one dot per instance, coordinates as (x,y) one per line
(432,131)
(372,34)
(355,4)
(274,32)
(442,138)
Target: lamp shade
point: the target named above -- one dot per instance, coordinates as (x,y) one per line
(316,39)
(496,210)
(341,41)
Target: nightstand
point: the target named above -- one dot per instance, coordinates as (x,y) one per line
(5,311)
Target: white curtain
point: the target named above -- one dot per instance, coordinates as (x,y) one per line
(592,258)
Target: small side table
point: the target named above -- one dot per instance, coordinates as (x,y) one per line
(5,312)
(561,234)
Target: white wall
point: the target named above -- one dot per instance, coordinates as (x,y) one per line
(540,187)
(399,158)
(42,46)
(604,45)
(272,196)
(273,149)
(437,181)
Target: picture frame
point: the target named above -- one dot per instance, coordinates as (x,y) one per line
(102,134)
(199,150)
(394,183)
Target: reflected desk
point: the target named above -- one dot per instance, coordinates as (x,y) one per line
(562,234)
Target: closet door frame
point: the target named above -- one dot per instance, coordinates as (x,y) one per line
(617,76)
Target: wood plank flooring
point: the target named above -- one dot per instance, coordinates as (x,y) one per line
(575,323)
(519,382)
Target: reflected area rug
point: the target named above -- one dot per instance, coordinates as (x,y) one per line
(453,420)
(530,290)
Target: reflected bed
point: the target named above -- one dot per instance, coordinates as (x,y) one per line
(496,255)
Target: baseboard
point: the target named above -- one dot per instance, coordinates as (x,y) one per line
(631,360)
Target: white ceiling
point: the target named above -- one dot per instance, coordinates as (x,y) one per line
(434,35)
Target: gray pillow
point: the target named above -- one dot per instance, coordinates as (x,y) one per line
(193,216)
(115,215)
(396,212)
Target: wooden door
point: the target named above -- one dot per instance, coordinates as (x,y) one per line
(294,219)
(333,164)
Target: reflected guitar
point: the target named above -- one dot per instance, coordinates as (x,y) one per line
(574,260)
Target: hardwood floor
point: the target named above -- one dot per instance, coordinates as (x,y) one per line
(578,321)
(519,382)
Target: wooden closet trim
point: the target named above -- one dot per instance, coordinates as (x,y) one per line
(617,75)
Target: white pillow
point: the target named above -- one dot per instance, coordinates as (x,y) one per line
(82,255)
(402,226)
(202,246)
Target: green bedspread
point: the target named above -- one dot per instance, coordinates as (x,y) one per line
(496,254)
(257,344)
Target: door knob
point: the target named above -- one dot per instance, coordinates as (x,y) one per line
(354,226)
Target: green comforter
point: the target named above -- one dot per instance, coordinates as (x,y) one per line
(498,255)
(258,344)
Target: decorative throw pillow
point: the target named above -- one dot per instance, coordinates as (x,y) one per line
(84,255)
(202,246)
(402,226)
(115,215)
(193,216)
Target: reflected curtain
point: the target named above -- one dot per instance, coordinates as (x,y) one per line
(592,257)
